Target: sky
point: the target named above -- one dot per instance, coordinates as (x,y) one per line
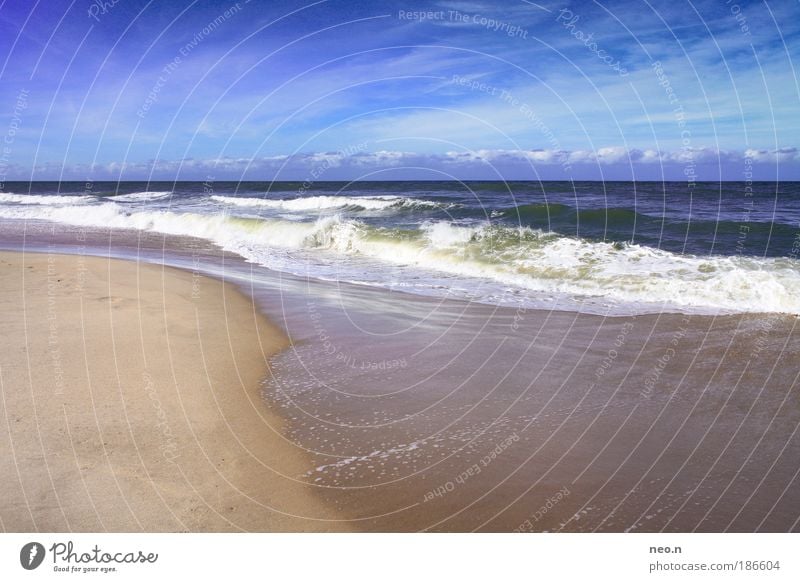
(341,90)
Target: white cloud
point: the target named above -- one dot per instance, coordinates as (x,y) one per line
(480,164)
(772,156)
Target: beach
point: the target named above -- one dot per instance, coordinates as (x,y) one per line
(201,366)
(138,397)
(131,402)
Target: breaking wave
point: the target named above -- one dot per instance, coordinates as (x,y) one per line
(519,258)
(38,199)
(139,196)
(318,203)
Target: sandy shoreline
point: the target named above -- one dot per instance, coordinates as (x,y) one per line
(131,402)
(662,422)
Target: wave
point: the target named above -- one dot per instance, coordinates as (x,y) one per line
(318,203)
(38,199)
(560,265)
(139,196)
(622,222)
(611,216)
(518,258)
(528,214)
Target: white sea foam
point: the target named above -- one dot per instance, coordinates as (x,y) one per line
(317,203)
(519,259)
(139,196)
(39,199)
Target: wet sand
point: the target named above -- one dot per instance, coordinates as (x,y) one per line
(131,402)
(445,416)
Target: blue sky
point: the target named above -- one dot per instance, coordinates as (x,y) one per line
(399,90)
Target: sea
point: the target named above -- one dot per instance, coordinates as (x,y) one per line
(594,247)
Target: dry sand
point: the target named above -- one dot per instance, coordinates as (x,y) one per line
(131,401)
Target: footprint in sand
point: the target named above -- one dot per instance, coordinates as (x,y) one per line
(114,301)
